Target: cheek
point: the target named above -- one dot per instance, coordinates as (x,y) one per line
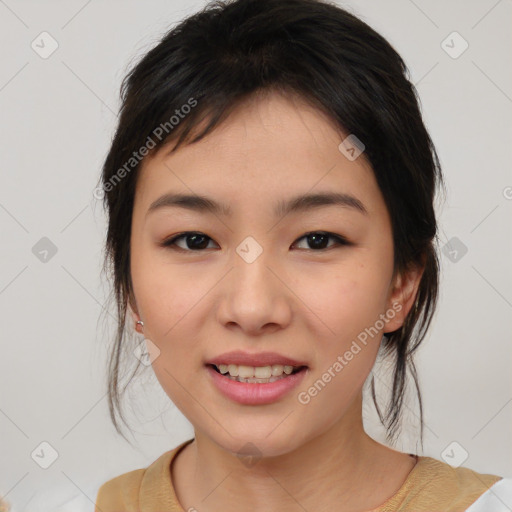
(347,306)
(330,394)
(346,352)
(166,293)
(344,302)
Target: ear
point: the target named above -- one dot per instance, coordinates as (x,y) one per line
(402,295)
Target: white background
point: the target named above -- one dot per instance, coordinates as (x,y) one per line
(57,120)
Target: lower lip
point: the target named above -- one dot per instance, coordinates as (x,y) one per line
(255,393)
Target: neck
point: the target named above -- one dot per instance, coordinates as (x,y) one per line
(342,466)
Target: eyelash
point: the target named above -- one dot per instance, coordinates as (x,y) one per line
(171,242)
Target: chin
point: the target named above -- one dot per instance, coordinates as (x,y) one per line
(256,442)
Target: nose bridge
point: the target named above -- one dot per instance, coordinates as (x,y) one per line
(251,276)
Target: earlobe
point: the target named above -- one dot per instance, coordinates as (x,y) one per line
(138,323)
(133,312)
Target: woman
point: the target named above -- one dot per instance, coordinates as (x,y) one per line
(271,232)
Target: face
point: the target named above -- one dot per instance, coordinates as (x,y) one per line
(313,283)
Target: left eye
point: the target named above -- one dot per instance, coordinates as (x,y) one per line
(195,241)
(318,239)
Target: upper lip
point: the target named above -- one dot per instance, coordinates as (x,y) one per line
(239,357)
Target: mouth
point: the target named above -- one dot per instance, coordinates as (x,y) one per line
(256,385)
(256,374)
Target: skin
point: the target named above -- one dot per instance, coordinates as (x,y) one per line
(306,303)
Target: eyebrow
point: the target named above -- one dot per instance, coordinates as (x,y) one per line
(302,203)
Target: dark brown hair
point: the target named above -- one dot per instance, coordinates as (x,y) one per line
(219,57)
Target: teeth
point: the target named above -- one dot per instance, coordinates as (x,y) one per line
(277,369)
(259,372)
(233,370)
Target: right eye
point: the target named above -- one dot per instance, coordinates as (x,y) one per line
(194,241)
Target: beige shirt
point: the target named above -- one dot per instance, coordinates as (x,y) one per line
(432,485)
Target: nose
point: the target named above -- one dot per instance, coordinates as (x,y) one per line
(255,298)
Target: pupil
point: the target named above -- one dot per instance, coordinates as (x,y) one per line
(195,237)
(316,240)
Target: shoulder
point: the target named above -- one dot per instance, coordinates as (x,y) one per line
(462,477)
(126,492)
(121,491)
(436,485)
(497,499)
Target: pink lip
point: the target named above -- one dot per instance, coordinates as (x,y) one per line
(254,393)
(239,357)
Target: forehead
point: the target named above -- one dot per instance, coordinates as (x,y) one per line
(269,148)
